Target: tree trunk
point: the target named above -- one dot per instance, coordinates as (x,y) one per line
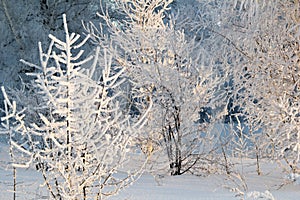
(15,182)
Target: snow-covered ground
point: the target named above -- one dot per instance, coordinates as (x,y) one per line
(185,187)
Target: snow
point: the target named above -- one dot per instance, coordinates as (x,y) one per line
(259,195)
(176,187)
(271,184)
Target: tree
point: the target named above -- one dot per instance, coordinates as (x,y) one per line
(26,22)
(169,70)
(82,141)
(264,41)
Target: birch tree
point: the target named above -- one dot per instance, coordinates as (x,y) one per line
(174,73)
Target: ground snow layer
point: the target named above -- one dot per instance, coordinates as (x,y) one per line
(271,185)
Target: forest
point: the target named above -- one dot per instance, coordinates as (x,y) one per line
(96,95)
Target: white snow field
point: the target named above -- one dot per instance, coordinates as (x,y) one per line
(271,185)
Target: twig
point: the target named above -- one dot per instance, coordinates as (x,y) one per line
(10,24)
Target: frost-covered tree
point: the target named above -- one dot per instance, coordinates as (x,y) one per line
(82,138)
(263,37)
(25,22)
(276,61)
(171,71)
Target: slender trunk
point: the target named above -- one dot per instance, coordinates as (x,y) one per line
(226,161)
(69,68)
(84,192)
(168,141)
(14,169)
(49,186)
(15,182)
(83,169)
(177,143)
(257,161)
(177,167)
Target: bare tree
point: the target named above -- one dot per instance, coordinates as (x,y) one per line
(169,70)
